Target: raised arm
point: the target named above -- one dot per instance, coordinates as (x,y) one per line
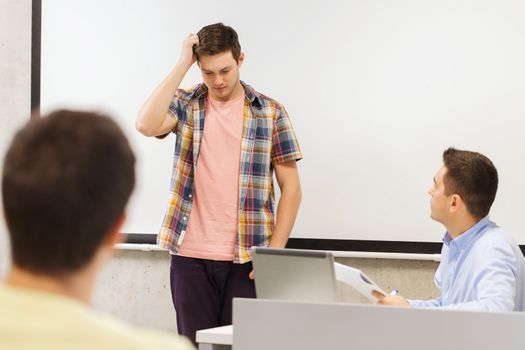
(153,118)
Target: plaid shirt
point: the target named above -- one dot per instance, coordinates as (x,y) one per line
(267,138)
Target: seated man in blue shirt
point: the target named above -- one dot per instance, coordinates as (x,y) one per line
(482,268)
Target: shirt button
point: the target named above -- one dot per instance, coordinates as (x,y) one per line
(190,196)
(185,218)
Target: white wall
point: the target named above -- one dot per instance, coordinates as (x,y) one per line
(376,91)
(135,287)
(15,83)
(135,284)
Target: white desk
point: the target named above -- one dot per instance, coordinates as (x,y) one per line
(275,325)
(314,326)
(220,338)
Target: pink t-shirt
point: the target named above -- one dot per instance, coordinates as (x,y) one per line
(212,229)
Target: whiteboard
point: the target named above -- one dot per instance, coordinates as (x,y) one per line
(375,89)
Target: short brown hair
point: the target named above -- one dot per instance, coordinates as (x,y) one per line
(473,177)
(217,38)
(66,180)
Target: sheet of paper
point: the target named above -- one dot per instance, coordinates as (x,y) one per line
(357,279)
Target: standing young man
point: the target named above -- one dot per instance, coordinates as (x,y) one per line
(65,184)
(482,267)
(230,139)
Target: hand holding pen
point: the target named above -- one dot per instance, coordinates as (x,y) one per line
(392,299)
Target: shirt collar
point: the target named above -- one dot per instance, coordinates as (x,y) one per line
(464,240)
(251,94)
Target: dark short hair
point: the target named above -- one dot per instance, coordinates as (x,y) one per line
(473,177)
(66,180)
(217,38)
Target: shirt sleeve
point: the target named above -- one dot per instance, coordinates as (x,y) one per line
(426,303)
(178,108)
(284,142)
(179,104)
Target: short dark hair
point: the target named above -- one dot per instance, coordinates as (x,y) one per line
(217,38)
(66,180)
(473,177)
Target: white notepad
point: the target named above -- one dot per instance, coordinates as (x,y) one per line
(357,279)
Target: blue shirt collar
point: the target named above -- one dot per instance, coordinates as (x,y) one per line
(464,239)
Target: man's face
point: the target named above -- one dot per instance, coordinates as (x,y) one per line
(439,202)
(220,73)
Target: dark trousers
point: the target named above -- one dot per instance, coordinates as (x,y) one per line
(202,292)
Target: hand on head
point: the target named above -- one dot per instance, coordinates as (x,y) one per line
(187,56)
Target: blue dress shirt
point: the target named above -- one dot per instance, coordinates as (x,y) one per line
(483,269)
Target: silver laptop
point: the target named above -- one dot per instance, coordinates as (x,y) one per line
(294,274)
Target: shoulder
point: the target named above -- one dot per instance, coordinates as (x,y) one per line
(496,243)
(494,235)
(260,100)
(268,101)
(191,93)
(125,336)
(27,312)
